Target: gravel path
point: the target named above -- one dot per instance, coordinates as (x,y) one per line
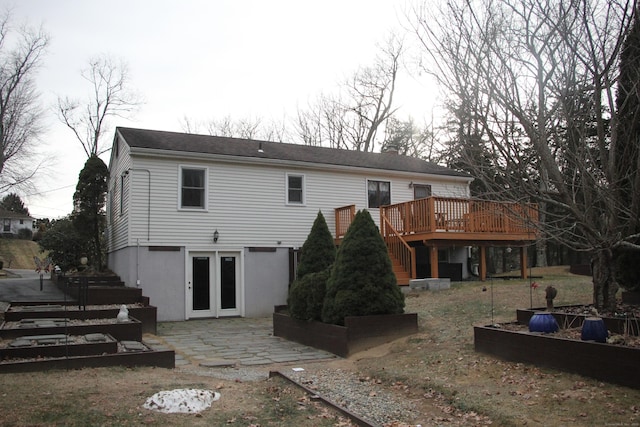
(364,397)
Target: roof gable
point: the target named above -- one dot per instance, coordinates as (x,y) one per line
(236,147)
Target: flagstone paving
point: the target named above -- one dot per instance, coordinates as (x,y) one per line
(230,342)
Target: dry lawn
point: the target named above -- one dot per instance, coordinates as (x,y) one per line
(437,368)
(18,253)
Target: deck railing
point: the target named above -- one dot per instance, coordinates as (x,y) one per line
(398,247)
(344,216)
(435,214)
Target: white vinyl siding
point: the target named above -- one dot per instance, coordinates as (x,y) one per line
(246,203)
(118,230)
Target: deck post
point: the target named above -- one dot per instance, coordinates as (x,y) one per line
(432,215)
(483,263)
(523,262)
(433,260)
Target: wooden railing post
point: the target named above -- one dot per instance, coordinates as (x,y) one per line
(432,213)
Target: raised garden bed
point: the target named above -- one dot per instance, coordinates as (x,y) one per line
(131,330)
(359,333)
(605,362)
(146,314)
(567,318)
(148,357)
(58,345)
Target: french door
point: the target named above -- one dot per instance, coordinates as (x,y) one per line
(213,284)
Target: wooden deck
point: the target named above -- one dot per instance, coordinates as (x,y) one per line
(441,221)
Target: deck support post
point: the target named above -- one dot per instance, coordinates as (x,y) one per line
(483,263)
(433,260)
(523,262)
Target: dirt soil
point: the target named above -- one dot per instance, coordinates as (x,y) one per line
(437,368)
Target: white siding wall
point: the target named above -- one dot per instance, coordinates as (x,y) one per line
(117,209)
(15,225)
(246,203)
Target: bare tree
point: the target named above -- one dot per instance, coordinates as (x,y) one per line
(536,81)
(245,127)
(21,51)
(410,139)
(354,118)
(111,96)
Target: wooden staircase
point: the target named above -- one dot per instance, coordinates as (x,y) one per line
(402,276)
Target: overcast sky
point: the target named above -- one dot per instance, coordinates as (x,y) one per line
(202,60)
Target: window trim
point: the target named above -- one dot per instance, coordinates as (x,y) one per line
(122,186)
(204,169)
(303,201)
(367,192)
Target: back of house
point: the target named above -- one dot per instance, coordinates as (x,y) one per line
(210,226)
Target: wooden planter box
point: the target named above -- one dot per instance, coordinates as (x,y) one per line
(160,359)
(605,362)
(70,348)
(359,333)
(616,325)
(127,331)
(147,315)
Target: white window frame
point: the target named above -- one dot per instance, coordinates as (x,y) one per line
(204,169)
(303,201)
(122,186)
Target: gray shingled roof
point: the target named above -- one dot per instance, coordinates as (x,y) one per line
(13,215)
(190,143)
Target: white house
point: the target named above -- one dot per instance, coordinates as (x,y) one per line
(207,225)
(13,222)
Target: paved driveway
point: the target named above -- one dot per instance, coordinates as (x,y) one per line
(24,285)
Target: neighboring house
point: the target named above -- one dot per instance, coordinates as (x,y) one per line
(13,222)
(210,226)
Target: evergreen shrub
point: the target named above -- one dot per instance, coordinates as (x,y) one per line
(306,296)
(362,280)
(319,250)
(318,253)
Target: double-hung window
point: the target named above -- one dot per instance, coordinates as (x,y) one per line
(379,193)
(295,189)
(193,188)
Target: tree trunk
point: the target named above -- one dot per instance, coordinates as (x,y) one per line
(605,285)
